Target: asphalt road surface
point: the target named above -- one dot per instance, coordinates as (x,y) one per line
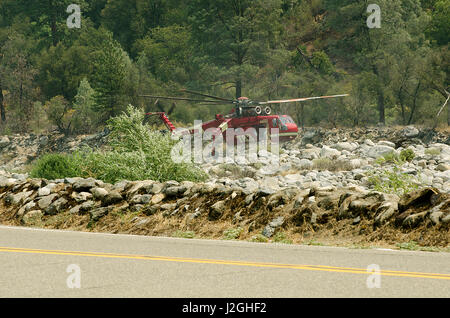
(43,263)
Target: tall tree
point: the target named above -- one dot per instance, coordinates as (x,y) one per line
(235,35)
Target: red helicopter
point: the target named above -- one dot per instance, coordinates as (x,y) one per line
(246,114)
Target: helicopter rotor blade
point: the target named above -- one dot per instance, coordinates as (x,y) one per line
(179,98)
(205,95)
(300,99)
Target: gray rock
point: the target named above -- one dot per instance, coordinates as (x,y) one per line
(305,164)
(386,143)
(81,197)
(19,176)
(327,152)
(7,182)
(414,220)
(42,192)
(174,191)
(113,197)
(32,217)
(46,201)
(216,210)
(99,193)
(4,142)
(43,141)
(155,188)
(369,143)
(277,222)
(140,187)
(27,207)
(97,214)
(385,212)
(19,198)
(443,167)
(158,198)
(379,150)
(345,146)
(445,219)
(141,199)
(83,185)
(56,207)
(435,217)
(409,132)
(268,231)
(168,207)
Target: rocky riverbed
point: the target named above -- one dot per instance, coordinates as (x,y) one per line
(329,183)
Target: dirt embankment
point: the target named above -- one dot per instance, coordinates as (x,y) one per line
(348,216)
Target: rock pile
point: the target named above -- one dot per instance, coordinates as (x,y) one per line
(33,201)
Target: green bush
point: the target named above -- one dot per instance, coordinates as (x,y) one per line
(56,166)
(331,165)
(406,155)
(136,153)
(433,151)
(259,238)
(394,182)
(281,238)
(232,234)
(184,234)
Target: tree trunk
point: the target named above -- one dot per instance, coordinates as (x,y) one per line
(2,106)
(448,114)
(381,107)
(413,110)
(238,88)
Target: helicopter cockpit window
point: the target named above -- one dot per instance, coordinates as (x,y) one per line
(286,120)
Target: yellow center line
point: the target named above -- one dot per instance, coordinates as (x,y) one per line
(228,262)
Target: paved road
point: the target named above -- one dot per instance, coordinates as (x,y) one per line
(34,263)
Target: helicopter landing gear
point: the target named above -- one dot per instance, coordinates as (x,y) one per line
(258,110)
(267,110)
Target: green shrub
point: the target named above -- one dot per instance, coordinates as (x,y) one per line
(184,234)
(280,237)
(433,151)
(407,155)
(259,238)
(136,153)
(331,165)
(394,182)
(56,166)
(232,234)
(392,157)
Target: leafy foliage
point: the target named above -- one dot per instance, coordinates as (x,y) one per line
(394,181)
(397,74)
(232,234)
(136,153)
(56,166)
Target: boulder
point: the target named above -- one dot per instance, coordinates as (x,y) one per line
(4,142)
(81,197)
(409,132)
(327,152)
(141,199)
(56,207)
(19,198)
(113,197)
(99,193)
(217,209)
(98,213)
(44,202)
(32,217)
(379,150)
(84,185)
